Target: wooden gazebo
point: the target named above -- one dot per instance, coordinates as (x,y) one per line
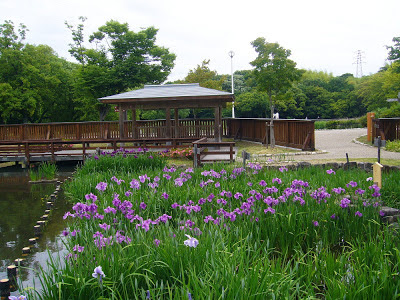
(168,97)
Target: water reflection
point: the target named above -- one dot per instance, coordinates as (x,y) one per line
(21,206)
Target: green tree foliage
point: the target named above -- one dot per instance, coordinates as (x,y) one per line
(205,77)
(394,51)
(273,71)
(35,84)
(375,89)
(252,105)
(120,59)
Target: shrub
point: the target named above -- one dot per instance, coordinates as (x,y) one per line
(179,153)
(393,145)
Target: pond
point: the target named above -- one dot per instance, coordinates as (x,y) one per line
(21,206)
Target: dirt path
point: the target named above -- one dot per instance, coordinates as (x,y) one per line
(338,142)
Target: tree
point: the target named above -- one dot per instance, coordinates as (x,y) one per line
(121,59)
(394,51)
(36,85)
(251,105)
(273,71)
(205,77)
(9,39)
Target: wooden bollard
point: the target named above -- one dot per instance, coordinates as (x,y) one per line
(377,171)
(52,197)
(41,223)
(4,287)
(47,211)
(19,261)
(37,230)
(26,250)
(33,240)
(45,217)
(49,205)
(12,275)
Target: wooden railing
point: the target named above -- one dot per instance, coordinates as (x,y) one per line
(289,133)
(292,133)
(58,150)
(387,128)
(201,149)
(107,130)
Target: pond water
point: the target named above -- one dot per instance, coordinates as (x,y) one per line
(21,206)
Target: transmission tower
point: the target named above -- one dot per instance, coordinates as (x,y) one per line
(359,62)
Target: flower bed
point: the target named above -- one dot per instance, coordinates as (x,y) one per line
(224,232)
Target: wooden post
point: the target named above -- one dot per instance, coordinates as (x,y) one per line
(379,149)
(370,126)
(121,122)
(245,156)
(78,131)
(53,157)
(12,275)
(37,230)
(195,156)
(4,288)
(217,124)
(168,122)
(377,171)
(19,262)
(176,117)
(134,135)
(27,158)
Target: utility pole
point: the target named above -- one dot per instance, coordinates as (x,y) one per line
(231,54)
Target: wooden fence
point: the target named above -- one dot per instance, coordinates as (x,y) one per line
(291,133)
(387,128)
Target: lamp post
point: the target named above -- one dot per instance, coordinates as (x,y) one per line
(231,54)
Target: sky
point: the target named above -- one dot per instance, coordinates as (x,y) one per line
(323,35)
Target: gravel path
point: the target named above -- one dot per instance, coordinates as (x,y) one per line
(338,142)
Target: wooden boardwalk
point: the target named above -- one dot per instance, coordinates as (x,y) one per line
(75,141)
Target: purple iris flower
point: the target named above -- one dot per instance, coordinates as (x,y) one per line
(98,273)
(191,242)
(101,186)
(157,242)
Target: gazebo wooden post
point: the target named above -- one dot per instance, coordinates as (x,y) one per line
(168,124)
(176,117)
(121,121)
(134,136)
(217,124)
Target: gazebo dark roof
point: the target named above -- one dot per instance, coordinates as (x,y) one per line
(173,92)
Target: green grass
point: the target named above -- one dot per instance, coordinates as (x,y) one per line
(45,171)
(245,253)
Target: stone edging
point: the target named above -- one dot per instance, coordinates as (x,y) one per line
(360,143)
